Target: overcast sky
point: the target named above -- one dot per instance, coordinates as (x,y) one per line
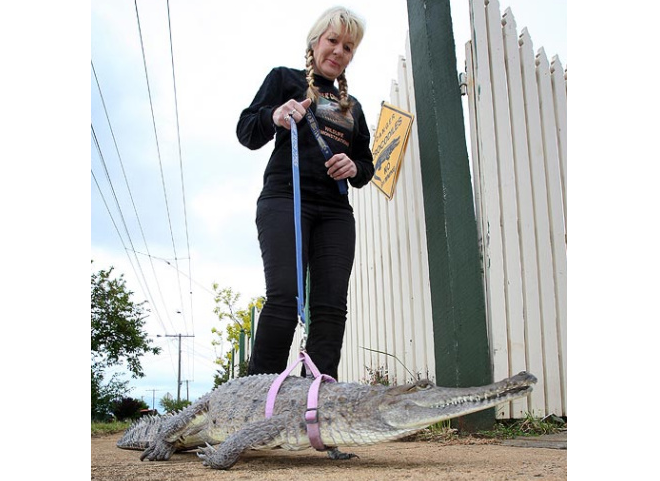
(177,246)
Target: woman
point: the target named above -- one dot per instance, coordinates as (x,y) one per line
(327,222)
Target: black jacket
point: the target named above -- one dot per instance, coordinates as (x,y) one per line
(347,133)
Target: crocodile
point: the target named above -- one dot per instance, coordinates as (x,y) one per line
(349,414)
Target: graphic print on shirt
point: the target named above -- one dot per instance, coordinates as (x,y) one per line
(336,125)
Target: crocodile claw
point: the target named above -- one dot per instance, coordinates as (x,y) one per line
(158,451)
(206,453)
(336,454)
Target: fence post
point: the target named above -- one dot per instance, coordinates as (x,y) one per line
(462,355)
(241,347)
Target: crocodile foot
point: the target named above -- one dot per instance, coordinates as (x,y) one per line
(158,451)
(217,458)
(335,453)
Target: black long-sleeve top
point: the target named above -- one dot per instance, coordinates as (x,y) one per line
(343,132)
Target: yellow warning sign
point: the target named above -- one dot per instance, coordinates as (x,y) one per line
(389,145)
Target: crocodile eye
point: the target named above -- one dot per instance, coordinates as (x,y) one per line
(423,385)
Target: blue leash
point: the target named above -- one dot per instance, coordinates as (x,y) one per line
(298,229)
(343,189)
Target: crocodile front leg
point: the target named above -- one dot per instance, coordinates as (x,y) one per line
(252,436)
(166,441)
(159,450)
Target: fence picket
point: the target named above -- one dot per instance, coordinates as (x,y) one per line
(426,352)
(531,312)
(491,210)
(396,215)
(558,77)
(542,222)
(508,203)
(556,210)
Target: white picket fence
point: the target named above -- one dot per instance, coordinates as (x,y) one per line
(518,125)
(517,112)
(389,294)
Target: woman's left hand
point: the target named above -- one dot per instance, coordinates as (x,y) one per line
(340,166)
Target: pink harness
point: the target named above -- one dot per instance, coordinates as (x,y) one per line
(312,412)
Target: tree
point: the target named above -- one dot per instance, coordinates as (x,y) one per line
(117,337)
(170,405)
(240,321)
(103,394)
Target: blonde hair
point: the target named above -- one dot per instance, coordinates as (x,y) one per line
(337,18)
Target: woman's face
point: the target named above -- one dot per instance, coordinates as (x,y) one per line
(332,53)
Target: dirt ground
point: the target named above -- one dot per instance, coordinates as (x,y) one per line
(462,459)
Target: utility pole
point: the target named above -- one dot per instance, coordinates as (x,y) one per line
(153,398)
(187,390)
(178,382)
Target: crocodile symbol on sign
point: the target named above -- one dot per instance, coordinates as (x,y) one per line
(385,156)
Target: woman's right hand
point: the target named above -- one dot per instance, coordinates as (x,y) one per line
(291,108)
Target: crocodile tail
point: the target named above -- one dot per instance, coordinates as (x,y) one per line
(142,432)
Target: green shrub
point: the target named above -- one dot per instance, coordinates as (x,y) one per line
(127,408)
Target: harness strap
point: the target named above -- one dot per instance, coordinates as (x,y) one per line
(312,413)
(277,384)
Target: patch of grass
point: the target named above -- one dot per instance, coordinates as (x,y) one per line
(99,429)
(529,426)
(505,429)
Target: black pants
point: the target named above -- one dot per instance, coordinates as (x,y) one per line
(328,241)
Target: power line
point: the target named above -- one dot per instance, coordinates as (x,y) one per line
(130,193)
(123,221)
(141,277)
(126,250)
(166,261)
(121,214)
(183,189)
(160,162)
(145,291)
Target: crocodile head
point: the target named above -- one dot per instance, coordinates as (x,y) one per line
(416,406)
